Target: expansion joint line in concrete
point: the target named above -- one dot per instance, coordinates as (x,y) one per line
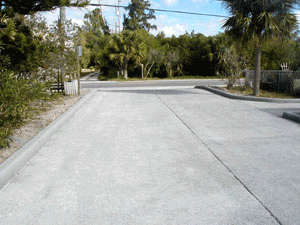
(220,161)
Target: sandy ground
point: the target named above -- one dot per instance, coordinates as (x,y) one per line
(22,135)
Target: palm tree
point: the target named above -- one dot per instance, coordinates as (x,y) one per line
(127,46)
(257,21)
(123,50)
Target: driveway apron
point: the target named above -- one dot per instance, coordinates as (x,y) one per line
(183,156)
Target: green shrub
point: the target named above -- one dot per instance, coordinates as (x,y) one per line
(16,95)
(4,137)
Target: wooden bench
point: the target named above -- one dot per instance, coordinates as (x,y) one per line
(57,87)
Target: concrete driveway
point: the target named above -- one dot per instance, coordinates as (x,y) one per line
(174,156)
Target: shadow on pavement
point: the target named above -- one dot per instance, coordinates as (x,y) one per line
(160,92)
(279,111)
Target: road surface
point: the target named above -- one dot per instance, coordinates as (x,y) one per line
(151,83)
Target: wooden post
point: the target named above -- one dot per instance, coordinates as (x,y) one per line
(79,73)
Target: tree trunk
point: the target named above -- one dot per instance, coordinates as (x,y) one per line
(149,69)
(125,71)
(256,85)
(121,71)
(169,67)
(171,72)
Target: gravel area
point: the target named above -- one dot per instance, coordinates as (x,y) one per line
(25,133)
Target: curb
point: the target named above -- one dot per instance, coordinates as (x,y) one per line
(18,160)
(294,116)
(247,98)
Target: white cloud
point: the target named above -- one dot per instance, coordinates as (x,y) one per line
(209,28)
(169,30)
(154,4)
(297,13)
(77,21)
(51,16)
(161,18)
(169,26)
(200,0)
(170,2)
(176,29)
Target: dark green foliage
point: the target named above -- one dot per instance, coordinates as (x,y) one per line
(4,137)
(199,55)
(138,17)
(160,56)
(21,50)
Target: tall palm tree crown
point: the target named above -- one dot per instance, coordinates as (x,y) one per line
(260,19)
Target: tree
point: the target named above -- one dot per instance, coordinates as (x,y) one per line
(171,60)
(22,45)
(255,21)
(80,39)
(61,60)
(233,65)
(274,53)
(22,42)
(10,7)
(95,23)
(93,36)
(137,16)
(127,46)
(153,57)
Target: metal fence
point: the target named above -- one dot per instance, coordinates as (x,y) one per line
(276,80)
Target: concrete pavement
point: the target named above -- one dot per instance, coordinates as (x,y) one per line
(150,83)
(180,156)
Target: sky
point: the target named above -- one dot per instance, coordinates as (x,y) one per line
(169,23)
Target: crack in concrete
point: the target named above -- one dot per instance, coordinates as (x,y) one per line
(220,161)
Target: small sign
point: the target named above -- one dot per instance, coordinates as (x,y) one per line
(79,50)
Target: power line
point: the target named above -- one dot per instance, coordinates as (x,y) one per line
(162,10)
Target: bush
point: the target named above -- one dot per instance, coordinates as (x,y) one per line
(15,98)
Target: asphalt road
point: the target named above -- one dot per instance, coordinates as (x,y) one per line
(178,156)
(92,83)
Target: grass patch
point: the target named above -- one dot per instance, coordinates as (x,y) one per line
(242,90)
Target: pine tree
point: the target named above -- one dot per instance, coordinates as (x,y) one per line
(138,17)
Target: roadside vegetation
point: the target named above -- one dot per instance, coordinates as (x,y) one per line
(259,35)
(28,61)
(20,100)
(242,90)
(135,53)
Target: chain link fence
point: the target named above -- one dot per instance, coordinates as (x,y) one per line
(276,80)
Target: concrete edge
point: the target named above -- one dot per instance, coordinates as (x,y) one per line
(18,160)
(145,88)
(291,116)
(247,98)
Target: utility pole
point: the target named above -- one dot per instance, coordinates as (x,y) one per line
(99,3)
(79,54)
(118,27)
(61,27)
